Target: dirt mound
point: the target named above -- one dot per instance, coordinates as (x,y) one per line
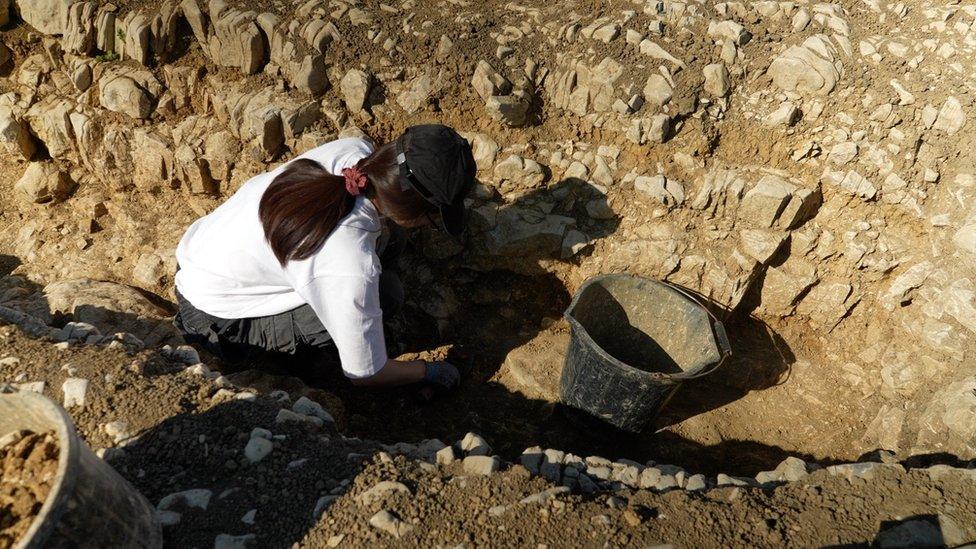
(28,465)
(512,508)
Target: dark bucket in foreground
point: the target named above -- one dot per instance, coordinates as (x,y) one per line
(634,342)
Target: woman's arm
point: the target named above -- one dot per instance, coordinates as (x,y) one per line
(394,373)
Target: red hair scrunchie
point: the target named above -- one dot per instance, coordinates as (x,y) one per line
(355,180)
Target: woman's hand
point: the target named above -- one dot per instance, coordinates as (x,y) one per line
(395,373)
(439,374)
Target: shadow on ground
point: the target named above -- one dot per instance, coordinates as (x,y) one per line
(205,450)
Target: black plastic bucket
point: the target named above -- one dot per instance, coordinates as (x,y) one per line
(634,342)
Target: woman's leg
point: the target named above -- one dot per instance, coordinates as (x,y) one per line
(200,328)
(235,340)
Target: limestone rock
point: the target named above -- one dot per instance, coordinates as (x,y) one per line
(133,42)
(656,129)
(948,422)
(75,390)
(381,490)
(951,116)
(105,33)
(416,97)
(50,121)
(355,89)
(309,407)
(729,30)
(484,149)
(110,307)
(607,33)
(389,523)
(717,81)
(531,459)
(47,16)
(197,498)
(854,183)
(473,445)
(445,456)
(44,182)
(784,284)
(123,95)
(79,28)
(236,41)
(193,170)
(802,206)
(650,48)
(488,82)
(517,233)
(913,533)
(959,301)
(762,244)
(902,287)
(667,192)
(810,68)
(785,115)
(81,77)
(227,541)
(657,90)
(257,449)
(842,153)
(828,303)
(886,429)
(15,136)
(150,271)
(762,205)
(222,151)
(523,172)
(965,238)
(308,75)
(305,70)
(481,465)
(543,497)
(255,117)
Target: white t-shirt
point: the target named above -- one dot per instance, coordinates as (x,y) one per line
(227,268)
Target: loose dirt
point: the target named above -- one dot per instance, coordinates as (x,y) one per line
(447,507)
(28,465)
(187,432)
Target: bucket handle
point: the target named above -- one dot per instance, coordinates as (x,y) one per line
(718,330)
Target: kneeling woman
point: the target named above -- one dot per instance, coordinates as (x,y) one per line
(295,257)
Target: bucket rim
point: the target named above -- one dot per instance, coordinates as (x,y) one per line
(718,331)
(55,504)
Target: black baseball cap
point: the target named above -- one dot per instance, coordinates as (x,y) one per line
(437,163)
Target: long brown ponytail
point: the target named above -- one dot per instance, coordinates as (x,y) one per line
(305,202)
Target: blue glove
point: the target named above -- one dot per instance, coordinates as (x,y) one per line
(443,374)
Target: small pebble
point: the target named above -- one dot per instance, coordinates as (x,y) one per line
(257,449)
